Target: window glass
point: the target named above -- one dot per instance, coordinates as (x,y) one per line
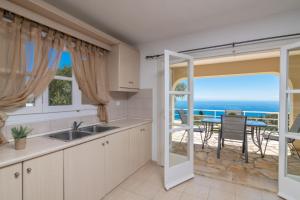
(60,92)
(65,65)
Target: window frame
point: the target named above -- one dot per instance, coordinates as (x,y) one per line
(42,106)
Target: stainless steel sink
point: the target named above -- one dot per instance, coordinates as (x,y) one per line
(97,128)
(69,135)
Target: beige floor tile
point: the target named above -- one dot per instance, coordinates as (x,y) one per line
(222,186)
(120,194)
(168,195)
(270,196)
(148,190)
(215,194)
(247,193)
(197,190)
(131,184)
(185,196)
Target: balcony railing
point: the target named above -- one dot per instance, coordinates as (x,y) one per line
(270,118)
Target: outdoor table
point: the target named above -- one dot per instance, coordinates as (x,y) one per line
(255,126)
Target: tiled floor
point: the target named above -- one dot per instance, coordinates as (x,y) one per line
(147,183)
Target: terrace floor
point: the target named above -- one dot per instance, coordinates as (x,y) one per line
(260,172)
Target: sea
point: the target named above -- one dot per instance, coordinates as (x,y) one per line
(204,106)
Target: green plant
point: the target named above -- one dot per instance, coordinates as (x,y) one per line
(20,132)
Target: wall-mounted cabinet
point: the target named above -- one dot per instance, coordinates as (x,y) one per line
(123,68)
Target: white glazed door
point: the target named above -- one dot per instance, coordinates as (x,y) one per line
(289,159)
(178,134)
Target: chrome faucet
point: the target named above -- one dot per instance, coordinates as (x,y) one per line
(76,125)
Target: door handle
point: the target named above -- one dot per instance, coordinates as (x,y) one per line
(28,170)
(17,174)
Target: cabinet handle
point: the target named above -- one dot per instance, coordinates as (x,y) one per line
(17,174)
(103,144)
(28,170)
(130,82)
(107,142)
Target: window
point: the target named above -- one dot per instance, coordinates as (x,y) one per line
(62,94)
(60,88)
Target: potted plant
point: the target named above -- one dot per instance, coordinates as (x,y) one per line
(20,133)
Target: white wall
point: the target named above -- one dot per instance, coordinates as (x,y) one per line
(281,24)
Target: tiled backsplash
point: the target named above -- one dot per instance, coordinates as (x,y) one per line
(122,105)
(140,104)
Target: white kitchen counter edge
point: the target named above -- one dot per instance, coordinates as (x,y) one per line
(35,148)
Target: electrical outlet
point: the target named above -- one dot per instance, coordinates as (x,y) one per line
(118,103)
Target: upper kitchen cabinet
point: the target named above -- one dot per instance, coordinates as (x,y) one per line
(123,68)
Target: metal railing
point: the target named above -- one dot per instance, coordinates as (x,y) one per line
(270,118)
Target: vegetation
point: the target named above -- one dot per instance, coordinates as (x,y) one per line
(20,132)
(182,86)
(66,71)
(60,91)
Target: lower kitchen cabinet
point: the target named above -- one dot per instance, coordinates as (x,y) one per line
(147,130)
(11,182)
(43,177)
(135,140)
(140,146)
(87,171)
(116,159)
(84,168)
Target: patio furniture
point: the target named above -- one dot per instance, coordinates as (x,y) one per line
(255,126)
(273,134)
(183,117)
(233,113)
(233,128)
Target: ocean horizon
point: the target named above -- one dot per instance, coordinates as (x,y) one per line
(261,106)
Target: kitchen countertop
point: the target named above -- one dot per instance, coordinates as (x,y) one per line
(41,145)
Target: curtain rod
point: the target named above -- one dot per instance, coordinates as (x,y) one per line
(10,16)
(233,44)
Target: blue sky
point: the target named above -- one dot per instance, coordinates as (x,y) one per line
(65,60)
(239,88)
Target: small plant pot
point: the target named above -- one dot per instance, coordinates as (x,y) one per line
(20,144)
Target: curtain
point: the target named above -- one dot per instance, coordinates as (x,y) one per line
(89,65)
(29,58)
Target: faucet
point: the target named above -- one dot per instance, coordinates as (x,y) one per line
(76,125)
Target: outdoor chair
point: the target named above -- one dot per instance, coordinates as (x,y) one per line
(272,133)
(184,120)
(233,128)
(233,113)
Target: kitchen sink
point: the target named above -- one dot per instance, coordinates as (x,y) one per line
(97,128)
(69,135)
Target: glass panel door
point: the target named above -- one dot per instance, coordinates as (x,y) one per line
(289,143)
(178,133)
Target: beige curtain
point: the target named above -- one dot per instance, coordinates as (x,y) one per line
(89,65)
(29,57)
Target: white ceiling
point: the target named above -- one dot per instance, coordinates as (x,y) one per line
(140,21)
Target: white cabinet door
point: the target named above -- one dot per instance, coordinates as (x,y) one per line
(116,159)
(129,67)
(11,182)
(134,149)
(43,178)
(123,68)
(140,146)
(84,171)
(147,142)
